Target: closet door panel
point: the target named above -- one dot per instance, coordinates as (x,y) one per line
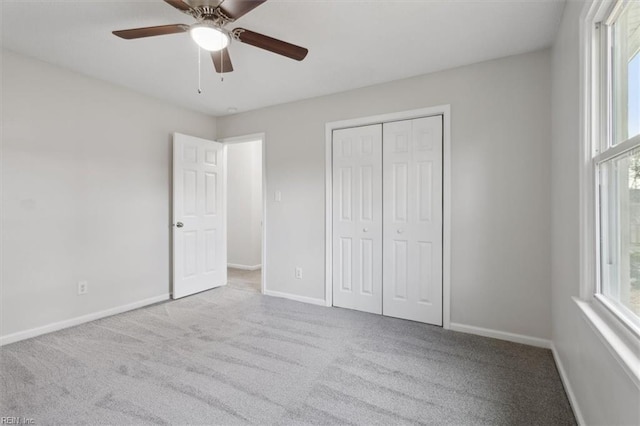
(412,211)
(357,218)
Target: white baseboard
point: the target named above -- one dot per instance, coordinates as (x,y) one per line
(502,335)
(27,334)
(297,298)
(567,387)
(244,267)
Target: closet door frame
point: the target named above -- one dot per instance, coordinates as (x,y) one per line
(445,111)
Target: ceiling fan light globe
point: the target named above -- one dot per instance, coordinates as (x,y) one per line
(209,38)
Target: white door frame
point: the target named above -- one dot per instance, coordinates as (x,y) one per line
(445,111)
(263,139)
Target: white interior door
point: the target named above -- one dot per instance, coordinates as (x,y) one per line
(199,225)
(412,193)
(357,218)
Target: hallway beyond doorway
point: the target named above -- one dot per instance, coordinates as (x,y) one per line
(245,280)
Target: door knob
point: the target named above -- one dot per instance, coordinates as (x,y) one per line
(399,231)
(179,224)
(365,229)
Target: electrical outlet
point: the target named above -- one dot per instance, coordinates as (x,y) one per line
(83,287)
(298,272)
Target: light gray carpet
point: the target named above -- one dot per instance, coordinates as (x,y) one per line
(233,356)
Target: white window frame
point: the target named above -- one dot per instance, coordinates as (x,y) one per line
(621,335)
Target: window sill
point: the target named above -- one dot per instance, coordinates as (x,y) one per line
(623,345)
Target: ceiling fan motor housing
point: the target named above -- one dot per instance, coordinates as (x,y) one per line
(211,14)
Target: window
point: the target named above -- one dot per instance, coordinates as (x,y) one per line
(616,163)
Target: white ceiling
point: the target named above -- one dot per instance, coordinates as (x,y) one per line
(351,44)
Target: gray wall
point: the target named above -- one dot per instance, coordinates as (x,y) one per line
(244,203)
(85,193)
(500,267)
(604,393)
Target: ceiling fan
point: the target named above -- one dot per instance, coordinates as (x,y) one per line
(209,31)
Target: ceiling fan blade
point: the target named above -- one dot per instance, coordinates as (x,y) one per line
(180,5)
(222,61)
(271,44)
(234,9)
(151,31)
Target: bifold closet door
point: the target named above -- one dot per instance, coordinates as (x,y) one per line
(357,218)
(412,237)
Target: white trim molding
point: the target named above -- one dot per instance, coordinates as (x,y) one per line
(589,129)
(263,138)
(573,401)
(303,299)
(49,328)
(445,111)
(622,345)
(244,267)
(502,335)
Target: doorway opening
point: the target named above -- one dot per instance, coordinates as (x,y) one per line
(245,212)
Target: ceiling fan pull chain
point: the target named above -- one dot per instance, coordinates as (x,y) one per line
(199,70)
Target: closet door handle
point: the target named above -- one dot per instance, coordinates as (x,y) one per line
(399,231)
(365,229)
